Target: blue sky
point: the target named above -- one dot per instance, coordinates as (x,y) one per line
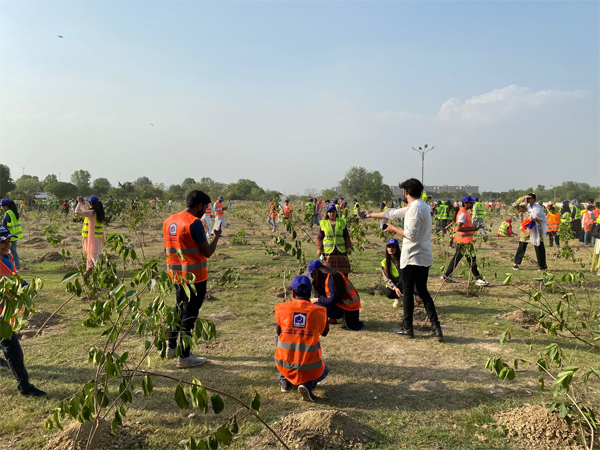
(292,94)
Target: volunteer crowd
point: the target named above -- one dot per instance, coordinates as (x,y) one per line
(325,296)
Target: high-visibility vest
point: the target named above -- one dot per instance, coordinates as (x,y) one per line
(219,209)
(352,302)
(577,215)
(503,229)
(393,272)
(553,221)
(587,220)
(273,210)
(98,229)
(6,271)
(310,208)
(566,217)
(287,211)
(298,354)
(424,196)
(479,210)
(442,212)
(14,226)
(464,237)
(331,239)
(177,236)
(208,210)
(356,208)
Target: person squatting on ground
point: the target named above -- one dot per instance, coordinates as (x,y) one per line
(93,220)
(272,220)
(553,220)
(12,222)
(533,229)
(463,236)
(333,242)
(505,229)
(336,294)
(187,250)
(298,355)
(416,257)
(11,346)
(392,274)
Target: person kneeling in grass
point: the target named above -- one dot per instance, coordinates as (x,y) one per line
(298,354)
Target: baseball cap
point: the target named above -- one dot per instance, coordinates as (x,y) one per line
(220,197)
(301,285)
(354,200)
(468,199)
(5,234)
(92,199)
(476,199)
(5,202)
(392,242)
(331,207)
(314,265)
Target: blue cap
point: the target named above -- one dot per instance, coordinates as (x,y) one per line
(335,200)
(5,202)
(392,242)
(5,234)
(92,199)
(331,207)
(220,197)
(314,265)
(301,285)
(468,199)
(476,199)
(354,200)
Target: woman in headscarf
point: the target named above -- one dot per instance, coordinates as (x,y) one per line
(333,242)
(505,229)
(576,220)
(93,228)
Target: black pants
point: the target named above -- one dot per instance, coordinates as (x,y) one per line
(15,361)
(391,294)
(540,253)
(553,236)
(416,277)
(576,227)
(442,224)
(463,250)
(187,309)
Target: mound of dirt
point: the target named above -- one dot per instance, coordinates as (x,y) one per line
(220,257)
(49,257)
(535,427)
(74,438)
(316,430)
(376,289)
(522,318)
(35,240)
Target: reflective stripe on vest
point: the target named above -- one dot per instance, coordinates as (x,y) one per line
(98,230)
(553,221)
(183,255)
(298,354)
(287,211)
(588,221)
(356,209)
(577,213)
(442,212)
(566,217)
(14,226)
(331,240)
(208,210)
(503,230)
(464,237)
(219,209)
(352,300)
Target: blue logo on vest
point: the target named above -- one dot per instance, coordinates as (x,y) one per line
(173,229)
(299,320)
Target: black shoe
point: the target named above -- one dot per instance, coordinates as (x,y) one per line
(406,332)
(436,332)
(33,392)
(307,394)
(3,362)
(285,385)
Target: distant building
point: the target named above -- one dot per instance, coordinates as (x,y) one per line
(444,188)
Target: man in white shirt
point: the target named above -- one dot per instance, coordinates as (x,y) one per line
(416,257)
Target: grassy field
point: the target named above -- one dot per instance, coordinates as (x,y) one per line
(412,393)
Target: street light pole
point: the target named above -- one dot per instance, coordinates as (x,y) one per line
(422,151)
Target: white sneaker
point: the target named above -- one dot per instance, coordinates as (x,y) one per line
(190,361)
(396,303)
(171,352)
(448,279)
(481,282)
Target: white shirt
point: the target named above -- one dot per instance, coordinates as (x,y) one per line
(537,233)
(416,246)
(461,218)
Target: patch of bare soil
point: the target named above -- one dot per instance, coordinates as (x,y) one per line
(220,257)
(502,255)
(522,318)
(534,427)
(35,240)
(74,438)
(49,257)
(375,289)
(35,322)
(316,430)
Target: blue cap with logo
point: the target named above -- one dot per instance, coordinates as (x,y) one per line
(314,265)
(5,234)
(468,199)
(5,202)
(392,242)
(301,285)
(92,199)
(331,207)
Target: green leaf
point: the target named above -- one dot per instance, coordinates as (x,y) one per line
(541,382)
(180,397)
(233,426)
(255,404)
(562,411)
(6,330)
(224,436)
(70,275)
(147,385)
(217,403)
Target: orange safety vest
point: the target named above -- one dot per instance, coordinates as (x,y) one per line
(463,237)
(208,210)
(176,232)
(273,210)
(219,209)
(287,211)
(352,303)
(298,354)
(587,220)
(553,221)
